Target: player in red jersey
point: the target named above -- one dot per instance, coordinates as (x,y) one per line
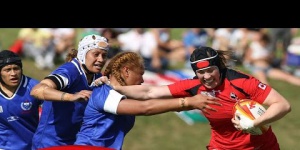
(214,79)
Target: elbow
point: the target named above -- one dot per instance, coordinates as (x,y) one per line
(288,108)
(37,90)
(285,108)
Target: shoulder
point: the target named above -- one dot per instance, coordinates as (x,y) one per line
(102,88)
(241,79)
(104,91)
(69,68)
(29,81)
(236,75)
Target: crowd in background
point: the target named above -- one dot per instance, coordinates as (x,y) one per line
(265,52)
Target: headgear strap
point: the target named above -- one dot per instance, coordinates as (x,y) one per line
(204,57)
(205,63)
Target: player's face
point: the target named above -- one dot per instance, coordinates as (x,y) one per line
(209,77)
(11,75)
(95,60)
(134,77)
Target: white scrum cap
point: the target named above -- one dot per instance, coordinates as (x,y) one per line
(90,42)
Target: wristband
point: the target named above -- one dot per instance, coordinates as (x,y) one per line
(182,102)
(62,96)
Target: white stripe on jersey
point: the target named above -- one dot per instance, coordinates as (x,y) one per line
(78,68)
(63,81)
(25,83)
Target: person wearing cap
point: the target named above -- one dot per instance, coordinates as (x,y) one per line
(66,90)
(19,112)
(109,115)
(213,78)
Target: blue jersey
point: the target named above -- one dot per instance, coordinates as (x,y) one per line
(19,116)
(101,124)
(60,121)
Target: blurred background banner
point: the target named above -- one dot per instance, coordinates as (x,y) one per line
(192,116)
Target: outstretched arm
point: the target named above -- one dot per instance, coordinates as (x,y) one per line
(141,92)
(157,106)
(144,91)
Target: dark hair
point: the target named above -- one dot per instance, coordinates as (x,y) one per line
(131,60)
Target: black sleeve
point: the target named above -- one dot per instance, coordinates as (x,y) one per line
(58,81)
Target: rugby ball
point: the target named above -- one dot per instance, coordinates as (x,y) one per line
(250,109)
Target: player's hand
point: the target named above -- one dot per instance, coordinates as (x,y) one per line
(83,95)
(236,123)
(242,123)
(203,103)
(101,80)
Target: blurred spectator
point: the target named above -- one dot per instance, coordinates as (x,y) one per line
(260,62)
(121,30)
(239,42)
(16,47)
(64,39)
(281,37)
(38,44)
(143,41)
(131,40)
(153,59)
(24,35)
(114,44)
(194,38)
(170,49)
(221,39)
(293,57)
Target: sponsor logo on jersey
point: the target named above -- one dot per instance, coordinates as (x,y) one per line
(26,105)
(207,93)
(216,91)
(12,118)
(233,96)
(211,93)
(1,109)
(262,86)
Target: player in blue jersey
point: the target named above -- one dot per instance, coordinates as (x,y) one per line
(109,116)
(66,91)
(19,112)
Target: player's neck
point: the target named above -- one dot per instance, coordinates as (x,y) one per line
(8,90)
(114,82)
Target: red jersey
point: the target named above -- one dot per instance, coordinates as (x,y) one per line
(235,86)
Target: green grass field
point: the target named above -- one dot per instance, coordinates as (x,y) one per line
(169,132)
